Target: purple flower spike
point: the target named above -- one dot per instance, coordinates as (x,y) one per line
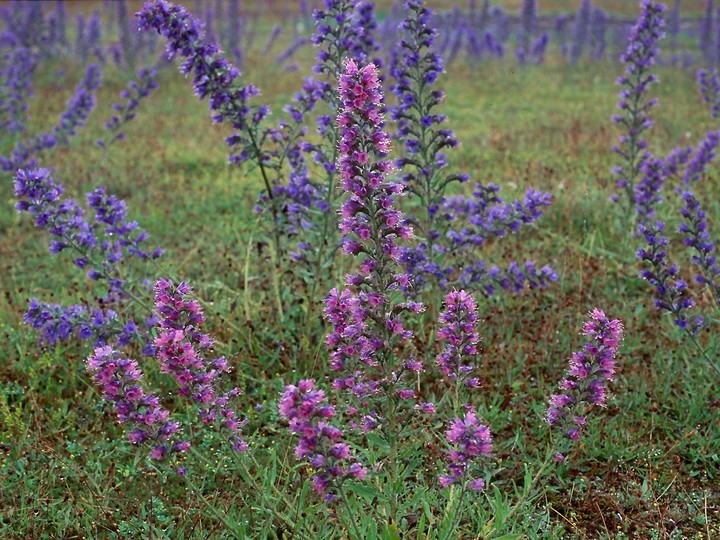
(469,439)
(585,383)
(181,350)
(458,331)
(78,110)
(15,88)
(125,112)
(702,158)
(367,324)
(694,228)
(709,85)
(671,292)
(638,58)
(213,75)
(321,444)
(121,382)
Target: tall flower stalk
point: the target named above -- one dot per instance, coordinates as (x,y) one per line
(125,112)
(449,228)
(638,58)
(368,327)
(585,383)
(75,116)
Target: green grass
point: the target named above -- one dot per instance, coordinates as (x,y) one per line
(648,467)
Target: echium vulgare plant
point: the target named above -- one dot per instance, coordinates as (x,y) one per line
(100,245)
(368,318)
(78,110)
(182,349)
(344,28)
(16,70)
(301,202)
(709,85)
(467,437)
(672,293)
(638,58)
(585,383)
(125,112)
(450,229)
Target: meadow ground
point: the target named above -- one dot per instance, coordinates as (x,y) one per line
(650,468)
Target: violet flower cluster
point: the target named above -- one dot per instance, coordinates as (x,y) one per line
(671,292)
(586,379)
(98,246)
(469,440)
(367,324)
(709,85)
(321,444)
(125,112)
(696,236)
(148,421)
(56,323)
(638,58)
(181,349)
(343,29)
(450,227)
(16,70)
(705,153)
(213,77)
(458,322)
(78,110)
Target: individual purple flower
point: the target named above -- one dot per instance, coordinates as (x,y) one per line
(182,349)
(638,58)
(671,292)
(125,112)
(321,444)
(469,440)
(586,379)
(148,421)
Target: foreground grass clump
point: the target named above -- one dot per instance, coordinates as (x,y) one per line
(647,467)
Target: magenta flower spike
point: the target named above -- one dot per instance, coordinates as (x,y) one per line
(585,382)
(321,444)
(469,439)
(367,324)
(182,350)
(121,382)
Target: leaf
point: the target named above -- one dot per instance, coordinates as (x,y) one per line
(390,532)
(367,493)
(378,441)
